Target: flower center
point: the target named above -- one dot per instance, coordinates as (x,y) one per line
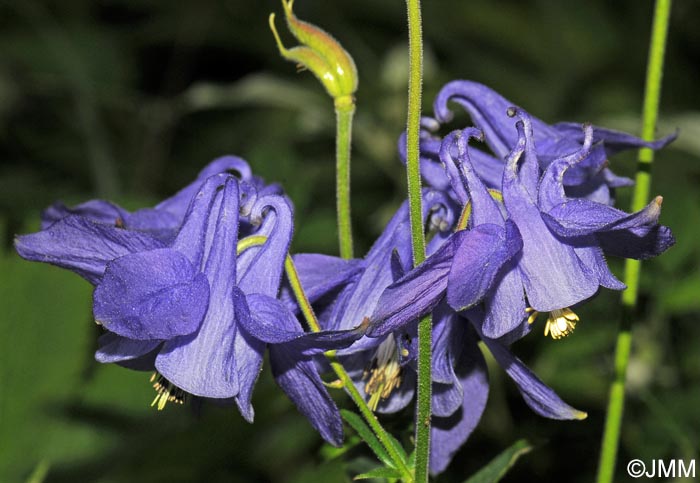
(560,322)
(384,373)
(166,392)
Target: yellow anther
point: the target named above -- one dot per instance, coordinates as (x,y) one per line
(560,323)
(166,392)
(533,314)
(384,374)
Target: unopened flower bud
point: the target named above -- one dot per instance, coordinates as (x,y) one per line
(320,53)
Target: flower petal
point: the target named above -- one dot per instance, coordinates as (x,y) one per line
(156,294)
(448,434)
(414,294)
(639,243)
(271,322)
(299,379)
(541,399)
(578,217)
(115,348)
(205,363)
(82,246)
(99,211)
(478,257)
(553,275)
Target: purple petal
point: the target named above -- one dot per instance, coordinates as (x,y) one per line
(414,294)
(98,211)
(82,246)
(639,243)
(151,295)
(478,258)
(553,275)
(448,434)
(541,399)
(505,305)
(321,275)
(205,363)
(115,348)
(260,268)
(299,379)
(614,141)
(271,322)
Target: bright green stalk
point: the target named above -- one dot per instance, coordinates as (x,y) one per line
(613,422)
(415,86)
(344,113)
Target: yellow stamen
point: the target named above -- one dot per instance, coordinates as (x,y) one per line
(560,323)
(384,374)
(166,392)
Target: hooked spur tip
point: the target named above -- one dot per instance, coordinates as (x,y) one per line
(659,200)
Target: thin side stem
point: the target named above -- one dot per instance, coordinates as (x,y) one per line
(344,115)
(342,374)
(415,87)
(616,402)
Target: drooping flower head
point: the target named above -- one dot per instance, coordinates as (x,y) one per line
(192,309)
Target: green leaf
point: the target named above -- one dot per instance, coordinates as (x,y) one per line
(381,472)
(499,466)
(367,435)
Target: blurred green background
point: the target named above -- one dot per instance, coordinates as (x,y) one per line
(128,99)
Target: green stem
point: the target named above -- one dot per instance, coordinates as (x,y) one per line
(415,86)
(344,113)
(613,422)
(342,374)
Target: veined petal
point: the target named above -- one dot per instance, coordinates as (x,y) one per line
(204,363)
(639,243)
(553,275)
(504,305)
(156,294)
(448,434)
(196,234)
(478,257)
(115,348)
(414,294)
(272,323)
(82,246)
(260,268)
(299,379)
(541,399)
(579,217)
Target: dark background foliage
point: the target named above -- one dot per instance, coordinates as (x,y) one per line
(128,99)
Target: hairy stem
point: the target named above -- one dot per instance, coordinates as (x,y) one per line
(415,87)
(344,114)
(616,401)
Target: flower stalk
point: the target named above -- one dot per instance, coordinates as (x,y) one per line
(424,386)
(613,422)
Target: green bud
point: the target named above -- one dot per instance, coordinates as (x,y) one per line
(321,54)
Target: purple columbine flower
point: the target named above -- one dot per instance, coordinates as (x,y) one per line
(193,309)
(589,179)
(538,243)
